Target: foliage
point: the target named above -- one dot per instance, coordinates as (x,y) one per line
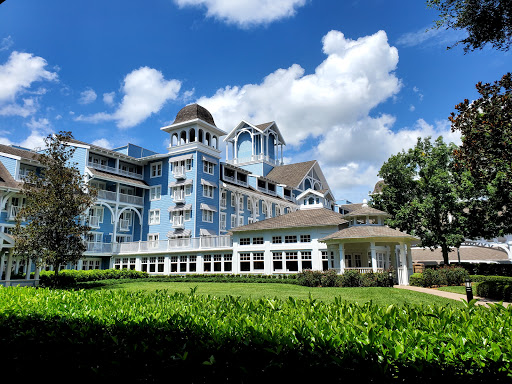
(71,278)
(495,289)
(330,278)
(487,269)
(142,337)
(447,275)
(485,125)
(421,192)
(485,21)
(55,200)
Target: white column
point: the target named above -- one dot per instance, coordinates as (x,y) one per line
(199,263)
(235,149)
(267,256)
(342,258)
(374,256)
(404,276)
(2,258)
(281,154)
(9,266)
(29,267)
(80,265)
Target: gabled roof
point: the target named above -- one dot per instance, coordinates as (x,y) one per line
(259,127)
(23,153)
(365,210)
(118,178)
(6,179)
(320,217)
(367,232)
(291,174)
(467,254)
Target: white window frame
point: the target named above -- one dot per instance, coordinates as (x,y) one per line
(223,219)
(233,221)
(155,193)
(208,191)
(156,170)
(188,190)
(97,211)
(240,221)
(207,216)
(188,164)
(154,217)
(233,199)
(208,167)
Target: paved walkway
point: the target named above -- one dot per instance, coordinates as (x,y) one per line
(449,295)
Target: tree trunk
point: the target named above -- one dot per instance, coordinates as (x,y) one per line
(445,250)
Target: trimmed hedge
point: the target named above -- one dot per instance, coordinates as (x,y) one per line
(448,275)
(121,336)
(350,278)
(488,269)
(494,287)
(69,278)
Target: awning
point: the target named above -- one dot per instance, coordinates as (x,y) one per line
(210,183)
(181,183)
(208,207)
(178,233)
(210,159)
(177,208)
(181,158)
(207,232)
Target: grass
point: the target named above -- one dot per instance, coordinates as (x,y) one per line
(379,296)
(461,289)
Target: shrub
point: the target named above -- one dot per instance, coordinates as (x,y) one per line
(448,275)
(416,279)
(70,278)
(497,290)
(309,278)
(330,278)
(488,269)
(351,278)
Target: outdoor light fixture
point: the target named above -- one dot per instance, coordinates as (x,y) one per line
(390,278)
(469,290)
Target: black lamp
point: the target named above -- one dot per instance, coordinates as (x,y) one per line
(469,290)
(390,278)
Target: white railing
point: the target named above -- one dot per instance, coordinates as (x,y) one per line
(124,225)
(178,196)
(115,170)
(131,199)
(94,221)
(267,191)
(234,180)
(13,212)
(179,244)
(98,247)
(364,269)
(178,222)
(106,195)
(178,172)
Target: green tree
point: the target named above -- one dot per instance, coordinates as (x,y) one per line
(421,193)
(486,152)
(55,201)
(486,21)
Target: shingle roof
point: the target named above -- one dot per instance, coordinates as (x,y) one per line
(291,174)
(23,153)
(6,179)
(194,111)
(114,177)
(466,254)
(367,231)
(366,211)
(299,219)
(264,126)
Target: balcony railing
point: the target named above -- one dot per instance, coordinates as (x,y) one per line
(178,196)
(364,269)
(99,247)
(13,212)
(234,180)
(179,172)
(205,242)
(122,172)
(178,222)
(123,198)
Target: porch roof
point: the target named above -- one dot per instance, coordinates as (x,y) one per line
(118,178)
(358,232)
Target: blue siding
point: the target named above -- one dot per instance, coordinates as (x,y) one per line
(9,164)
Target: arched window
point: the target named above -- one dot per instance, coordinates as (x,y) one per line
(200,136)
(174,140)
(311,200)
(214,142)
(192,135)
(183,137)
(208,140)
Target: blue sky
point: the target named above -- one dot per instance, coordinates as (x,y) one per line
(348,82)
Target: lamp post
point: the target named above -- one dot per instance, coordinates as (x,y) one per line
(469,290)
(390,278)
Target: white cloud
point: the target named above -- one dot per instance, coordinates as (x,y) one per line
(108,98)
(87,97)
(6,43)
(42,123)
(16,77)
(246,13)
(145,92)
(430,37)
(103,143)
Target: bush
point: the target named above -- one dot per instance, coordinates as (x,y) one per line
(309,278)
(496,290)
(330,278)
(69,278)
(448,275)
(416,280)
(488,269)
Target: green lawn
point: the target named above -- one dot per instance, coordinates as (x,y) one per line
(379,296)
(458,289)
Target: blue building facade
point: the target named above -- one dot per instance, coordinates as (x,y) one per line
(173,212)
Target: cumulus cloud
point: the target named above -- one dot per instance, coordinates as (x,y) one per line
(145,92)
(6,43)
(246,13)
(16,78)
(103,143)
(87,97)
(108,98)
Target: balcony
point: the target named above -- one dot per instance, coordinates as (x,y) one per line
(122,172)
(181,244)
(123,198)
(98,247)
(234,180)
(178,222)
(13,212)
(178,196)
(179,172)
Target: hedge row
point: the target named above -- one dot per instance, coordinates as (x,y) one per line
(448,275)
(350,278)
(160,337)
(71,277)
(494,287)
(488,269)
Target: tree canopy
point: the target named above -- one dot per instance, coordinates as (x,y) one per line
(485,125)
(421,192)
(486,21)
(50,228)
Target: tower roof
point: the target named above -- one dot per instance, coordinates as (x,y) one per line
(194,111)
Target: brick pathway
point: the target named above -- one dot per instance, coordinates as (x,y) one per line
(449,295)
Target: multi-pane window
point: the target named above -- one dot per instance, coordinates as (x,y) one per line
(305,257)
(292,263)
(217,263)
(258,261)
(325,261)
(188,190)
(305,238)
(245,262)
(228,263)
(154,216)
(188,164)
(257,240)
(348,261)
(192,263)
(124,263)
(222,221)
(207,216)
(155,193)
(290,239)
(152,264)
(233,221)
(223,198)
(153,240)
(240,221)
(241,204)
(208,191)
(233,199)
(249,205)
(207,263)
(357,261)
(245,241)
(156,169)
(277,239)
(208,167)
(277,260)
